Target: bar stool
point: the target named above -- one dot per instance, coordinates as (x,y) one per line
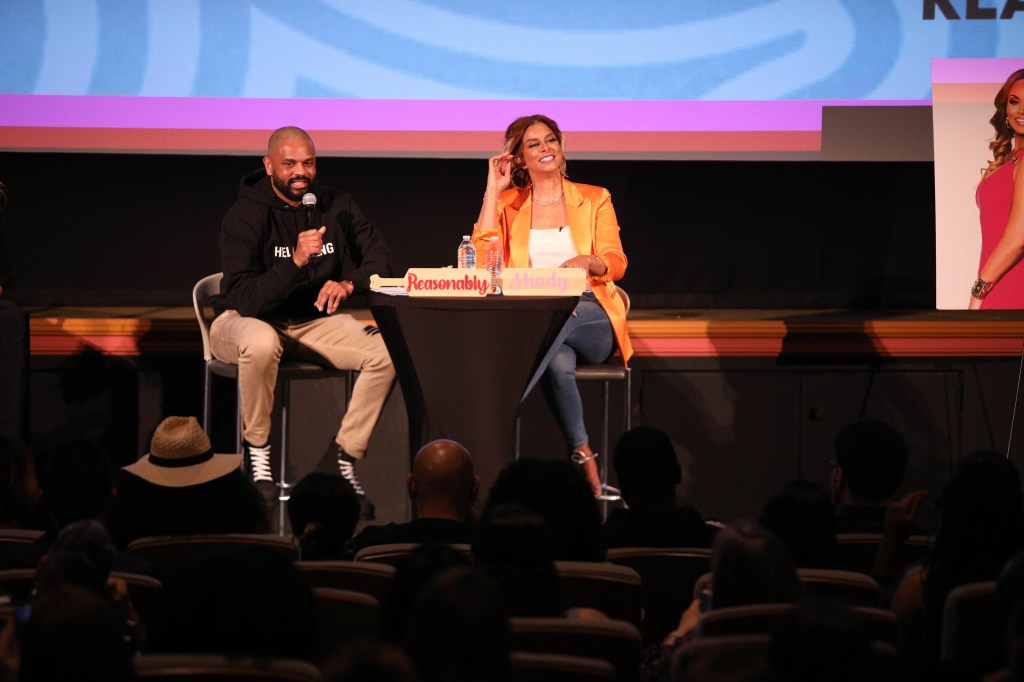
(606,373)
(288,371)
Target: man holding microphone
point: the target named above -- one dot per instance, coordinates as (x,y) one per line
(283,282)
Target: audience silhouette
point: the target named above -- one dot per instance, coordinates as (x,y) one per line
(981,526)
(443,488)
(73,634)
(412,573)
(241,602)
(749,566)
(458,629)
(324,510)
(648,473)
(446,616)
(870,462)
(801,516)
(823,640)
(182,487)
(19,483)
(555,490)
(513,545)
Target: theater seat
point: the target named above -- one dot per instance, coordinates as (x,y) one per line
(214,667)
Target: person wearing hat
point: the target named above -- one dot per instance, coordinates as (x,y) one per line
(182,487)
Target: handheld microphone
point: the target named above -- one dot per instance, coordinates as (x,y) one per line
(309,204)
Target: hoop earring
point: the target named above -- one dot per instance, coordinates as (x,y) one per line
(518,180)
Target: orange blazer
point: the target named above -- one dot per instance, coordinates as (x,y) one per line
(595,231)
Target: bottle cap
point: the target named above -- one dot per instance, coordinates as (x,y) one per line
(465,236)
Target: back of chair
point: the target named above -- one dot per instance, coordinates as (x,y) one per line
(19,536)
(614,590)
(735,649)
(204,289)
(528,666)
(615,641)
(145,593)
(143,590)
(752,619)
(343,615)
(881,624)
(218,668)
(18,583)
(668,575)
(761,619)
(167,553)
(857,551)
(856,589)
(393,553)
(971,627)
(369,577)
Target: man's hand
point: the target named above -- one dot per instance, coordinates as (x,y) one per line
(311,243)
(687,623)
(901,515)
(332,294)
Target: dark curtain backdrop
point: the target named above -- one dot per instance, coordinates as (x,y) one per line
(133,229)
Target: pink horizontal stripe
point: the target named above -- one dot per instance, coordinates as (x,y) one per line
(974,70)
(873,346)
(169,344)
(183,113)
(354,142)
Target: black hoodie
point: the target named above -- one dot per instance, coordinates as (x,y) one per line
(257,239)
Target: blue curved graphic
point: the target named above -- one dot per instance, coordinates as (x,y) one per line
(878,38)
(463,49)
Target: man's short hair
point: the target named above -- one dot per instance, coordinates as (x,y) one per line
(873,457)
(287,133)
(644,456)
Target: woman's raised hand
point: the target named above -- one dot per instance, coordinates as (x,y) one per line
(499,173)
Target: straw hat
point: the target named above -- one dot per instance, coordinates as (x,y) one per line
(181,455)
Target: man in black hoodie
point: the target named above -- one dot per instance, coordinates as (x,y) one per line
(284,279)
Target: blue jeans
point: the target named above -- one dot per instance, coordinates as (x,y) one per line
(587,334)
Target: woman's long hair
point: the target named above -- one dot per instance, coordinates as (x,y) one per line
(981,526)
(514,145)
(752,566)
(1002,143)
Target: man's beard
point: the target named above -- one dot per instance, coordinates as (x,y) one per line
(286,189)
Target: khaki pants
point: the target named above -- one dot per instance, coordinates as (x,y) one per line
(339,341)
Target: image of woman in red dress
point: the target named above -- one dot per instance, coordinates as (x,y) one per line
(1000,198)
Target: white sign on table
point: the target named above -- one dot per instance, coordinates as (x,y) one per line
(476,282)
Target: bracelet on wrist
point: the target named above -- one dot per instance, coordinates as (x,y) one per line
(980,289)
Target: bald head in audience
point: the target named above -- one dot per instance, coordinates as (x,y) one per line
(443,484)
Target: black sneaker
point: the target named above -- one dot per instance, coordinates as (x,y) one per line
(347,469)
(257,463)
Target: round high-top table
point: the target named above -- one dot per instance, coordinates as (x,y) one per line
(464,364)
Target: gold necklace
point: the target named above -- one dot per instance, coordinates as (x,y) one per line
(546,203)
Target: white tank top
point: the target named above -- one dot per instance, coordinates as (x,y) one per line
(551,248)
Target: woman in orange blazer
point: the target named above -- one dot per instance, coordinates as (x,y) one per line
(543,220)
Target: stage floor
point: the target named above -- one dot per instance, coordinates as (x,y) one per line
(654,332)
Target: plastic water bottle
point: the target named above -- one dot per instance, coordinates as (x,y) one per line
(494,261)
(467,254)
